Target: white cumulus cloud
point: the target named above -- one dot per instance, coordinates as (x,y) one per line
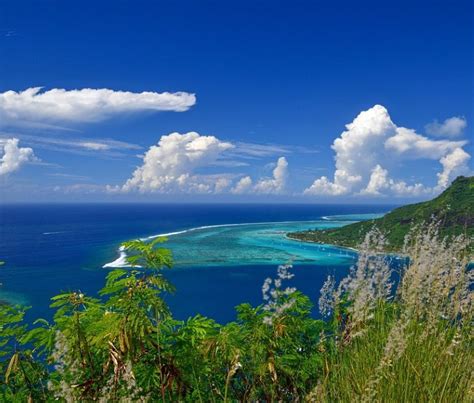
(380,182)
(244,185)
(413,145)
(13,156)
(170,166)
(357,152)
(451,127)
(372,143)
(276,184)
(454,164)
(178,162)
(84,105)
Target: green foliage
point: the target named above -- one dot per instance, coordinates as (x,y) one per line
(145,254)
(454,208)
(125,345)
(22,376)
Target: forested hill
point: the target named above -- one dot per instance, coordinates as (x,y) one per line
(454,208)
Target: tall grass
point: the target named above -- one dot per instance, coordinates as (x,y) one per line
(414,345)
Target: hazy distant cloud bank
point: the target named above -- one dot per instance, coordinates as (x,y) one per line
(84,105)
(373,141)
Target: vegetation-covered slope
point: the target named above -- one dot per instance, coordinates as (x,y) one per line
(454,208)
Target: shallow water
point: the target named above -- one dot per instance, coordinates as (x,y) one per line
(54,248)
(251,244)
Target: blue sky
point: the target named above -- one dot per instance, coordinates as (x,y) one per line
(274,85)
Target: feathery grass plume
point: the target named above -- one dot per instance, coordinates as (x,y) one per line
(277,299)
(437,283)
(435,291)
(326,302)
(367,284)
(416,346)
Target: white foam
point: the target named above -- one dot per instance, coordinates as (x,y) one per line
(221,226)
(55,232)
(121,261)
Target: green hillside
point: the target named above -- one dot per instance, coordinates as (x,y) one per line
(454,208)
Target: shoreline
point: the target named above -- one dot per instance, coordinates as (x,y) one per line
(322,243)
(398,255)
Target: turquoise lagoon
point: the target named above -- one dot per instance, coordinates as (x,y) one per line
(253,244)
(223,253)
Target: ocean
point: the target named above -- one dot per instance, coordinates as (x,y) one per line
(50,248)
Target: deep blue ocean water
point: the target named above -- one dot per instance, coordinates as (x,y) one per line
(63,247)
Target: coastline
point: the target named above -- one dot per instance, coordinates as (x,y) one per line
(397,254)
(287,236)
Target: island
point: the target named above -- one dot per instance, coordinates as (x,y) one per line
(454,209)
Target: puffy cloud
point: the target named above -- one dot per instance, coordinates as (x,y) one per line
(175,164)
(358,148)
(244,185)
(357,152)
(414,145)
(277,183)
(454,164)
(170,165)
(14,157)
(401,188)
(324,186)
(85,105)
(269,185)
(452,157)
(380,181)
(222,184)
(451,127)
(373,141)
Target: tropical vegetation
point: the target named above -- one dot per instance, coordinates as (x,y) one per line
(454,209)
(395,329)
